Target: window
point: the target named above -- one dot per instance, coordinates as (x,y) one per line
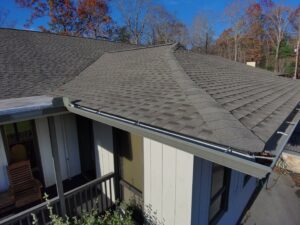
(20,142)
(219,192)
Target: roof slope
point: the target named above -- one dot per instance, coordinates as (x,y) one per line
(257,98)
(32,63)
(204,99)
(201,96)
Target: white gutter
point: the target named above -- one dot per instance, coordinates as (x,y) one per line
(218,154)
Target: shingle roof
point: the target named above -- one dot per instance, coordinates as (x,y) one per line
(32,63)
(204,97)
(257,98)
(200,96)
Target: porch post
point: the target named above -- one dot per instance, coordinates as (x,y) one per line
(116,166)
(55,154)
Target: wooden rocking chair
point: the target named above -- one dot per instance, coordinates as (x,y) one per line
(24,186)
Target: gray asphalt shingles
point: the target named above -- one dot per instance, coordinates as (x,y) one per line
(259,99)
(205,97)
(148,85)
(33,63)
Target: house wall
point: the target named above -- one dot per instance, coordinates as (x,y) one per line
(103,141)
(238,197)
(104,153)
(3,165)
(238,194)
(168,182)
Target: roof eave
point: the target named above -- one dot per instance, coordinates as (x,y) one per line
(38,106)
(285,136)
(241,164)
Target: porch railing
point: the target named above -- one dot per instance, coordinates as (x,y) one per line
(98,194)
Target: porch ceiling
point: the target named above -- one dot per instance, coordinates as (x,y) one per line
(29,107)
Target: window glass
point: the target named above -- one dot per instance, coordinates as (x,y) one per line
(215,207)
(19,139)
(217,179)
(10,135)
(219,192)
(25,131)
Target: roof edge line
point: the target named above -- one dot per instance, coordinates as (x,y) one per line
(140,48)
(245,164)
(61,35)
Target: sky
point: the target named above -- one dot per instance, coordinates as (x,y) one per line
(185,10)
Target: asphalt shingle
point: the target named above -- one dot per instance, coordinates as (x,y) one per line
(32,63)
(149,86)
(201,96)
(259,99)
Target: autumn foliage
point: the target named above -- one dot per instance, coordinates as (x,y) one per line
(69,17)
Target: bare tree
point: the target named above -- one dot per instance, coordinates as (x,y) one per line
(276,26)
(135,14)
(164,27)
(235,16)
(202,32)
(295,21)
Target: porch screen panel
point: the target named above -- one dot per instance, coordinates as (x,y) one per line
(20,142)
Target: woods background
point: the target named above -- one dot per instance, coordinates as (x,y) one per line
(263,31)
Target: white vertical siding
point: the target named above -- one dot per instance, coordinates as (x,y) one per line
(3,167)
(43,135)
(103,141)
(168,182)
(67,140)
(104,153)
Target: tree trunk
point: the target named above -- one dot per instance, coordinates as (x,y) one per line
(276,67)
(297,59)
(235,47)
(206,43)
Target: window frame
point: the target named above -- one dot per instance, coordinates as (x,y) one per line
(223,193)
(246,179)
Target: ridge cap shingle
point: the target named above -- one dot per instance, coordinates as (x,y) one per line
(206,106)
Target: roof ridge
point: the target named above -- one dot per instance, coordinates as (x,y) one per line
(207,106)
(140,48)
(231,61)
(60,35)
